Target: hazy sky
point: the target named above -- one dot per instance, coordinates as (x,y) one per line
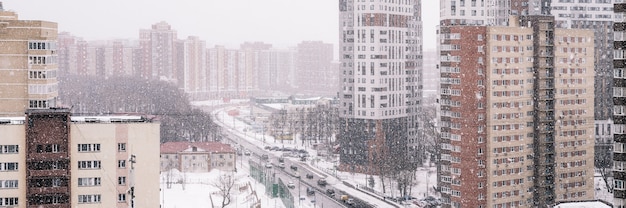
(282,23)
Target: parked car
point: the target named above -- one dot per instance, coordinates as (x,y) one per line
(267,165)
(291,185)
(309,176)
(265,157)
(267,147)
(294,168)
(274,148)
(321,182)
(281,159)
(281,165)
(247,153)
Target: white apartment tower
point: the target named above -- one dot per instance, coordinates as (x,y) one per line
(380,46)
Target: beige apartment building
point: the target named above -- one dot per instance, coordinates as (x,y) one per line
(517,114)
(28,64)
(197,157)
(112,159)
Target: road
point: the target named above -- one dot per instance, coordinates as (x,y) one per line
(302,169)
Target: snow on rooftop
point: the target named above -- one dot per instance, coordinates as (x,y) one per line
(277,106)
(590,204)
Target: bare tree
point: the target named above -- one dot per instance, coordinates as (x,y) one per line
(225,184)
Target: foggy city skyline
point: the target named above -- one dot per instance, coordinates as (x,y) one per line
(282,23)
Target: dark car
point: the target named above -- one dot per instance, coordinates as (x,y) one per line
(309,176)
(274,148)
(321,182)
(281,159)
(265,157)
(294,168)
(267,147)
(310,191)
(330,192)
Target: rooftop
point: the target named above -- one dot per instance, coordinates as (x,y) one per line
(82,119)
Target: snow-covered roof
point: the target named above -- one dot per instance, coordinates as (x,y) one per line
(589,204)
(208,147)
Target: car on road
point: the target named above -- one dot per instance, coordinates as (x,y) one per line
(321,182)
(274,148)
(265,157)
(281,159)
(310,191)
(350,201)
(267,147)
(294,168)
(247,153)
(267,165)
(330,192)
(291,185)
(281,165)
(309,176)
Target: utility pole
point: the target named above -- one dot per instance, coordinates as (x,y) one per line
(131,192)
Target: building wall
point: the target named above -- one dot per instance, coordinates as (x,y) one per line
(14,65)
(508,84)
(619,101)
(140,140)
(14,135)
(578,128)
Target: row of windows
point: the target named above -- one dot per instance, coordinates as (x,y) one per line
(512,171)
(88,147)
(573,133)
(508,149)
(38,74)
(511,37)
(41,60)
(573,143)
(508,182)
(578,163)
(513,93)
(8,166)
(506,194)
(573,174)
(508,160)
(8,184)
(95,181)
(8,201)
(42,45)
(95,164)
(572,60)
(89,198)
(574,122)
(574,153)
(502,116)
(42,89)
(508,82)
(572,91)
(573,102)
(9,149)
(40,104)
(508,138)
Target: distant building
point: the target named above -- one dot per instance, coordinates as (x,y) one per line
(197,156)
(314,71)
(28,64)
(109,157)
(158,53)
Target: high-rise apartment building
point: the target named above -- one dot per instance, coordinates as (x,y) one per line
(28,64)
(194,67)
(380,50)
(158,53)
(516,114)
(314,73)
(619,105)
(114,160)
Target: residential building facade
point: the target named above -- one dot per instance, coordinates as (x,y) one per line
(380,49)
(113,160)
(516,114)
(28,64)
(197,156)
(619,103)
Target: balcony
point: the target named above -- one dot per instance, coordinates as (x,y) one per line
(48,190)
(42,173)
